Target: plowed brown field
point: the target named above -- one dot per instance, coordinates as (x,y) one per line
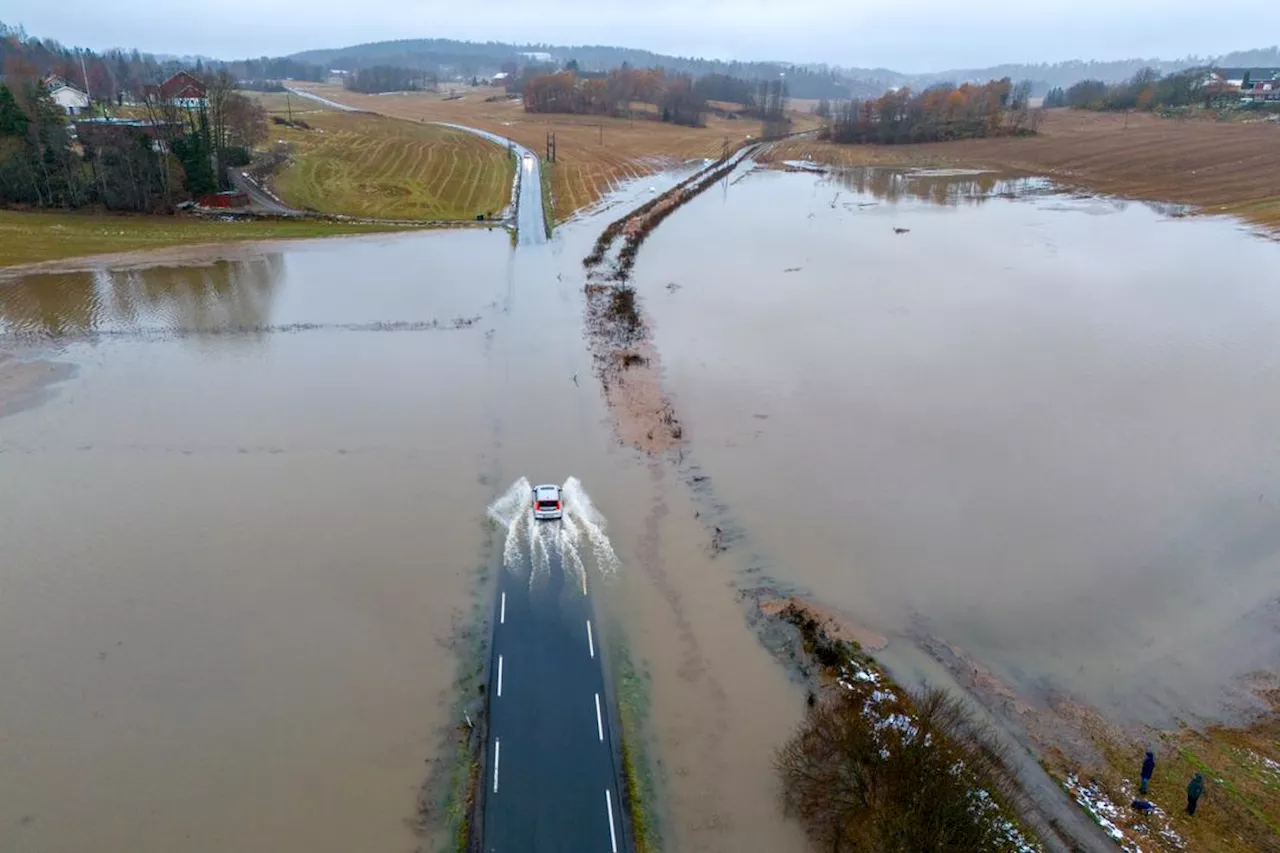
(1221,167)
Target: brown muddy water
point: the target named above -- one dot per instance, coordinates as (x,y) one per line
(1038,426)
(243,510)
(243,500)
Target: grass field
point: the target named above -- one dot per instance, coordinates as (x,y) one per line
(31,237)
(359,164)
(592,154)
(1240,809)
(1221,167)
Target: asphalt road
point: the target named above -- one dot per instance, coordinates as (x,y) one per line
(551,779)
(531,226)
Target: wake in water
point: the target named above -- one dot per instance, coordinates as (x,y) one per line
(579,535)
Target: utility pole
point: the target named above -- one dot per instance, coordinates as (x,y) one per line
(84,75)
(551,147)
(602,131)
(288,99)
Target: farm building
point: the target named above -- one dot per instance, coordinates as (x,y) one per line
(71,100)
(183,89)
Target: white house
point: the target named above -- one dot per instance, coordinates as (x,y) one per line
(71,99)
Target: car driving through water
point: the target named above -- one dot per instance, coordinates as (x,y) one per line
(547,503)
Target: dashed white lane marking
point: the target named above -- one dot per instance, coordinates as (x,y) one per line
(497,756)
(613,836)
(502,617)
(599,719)
(591,643)
(499,676)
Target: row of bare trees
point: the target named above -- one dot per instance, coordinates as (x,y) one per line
(679,98)
(939,113)
(1148,89)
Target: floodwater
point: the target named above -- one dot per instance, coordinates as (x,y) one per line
(1038,426)
(243,500)
(243,509)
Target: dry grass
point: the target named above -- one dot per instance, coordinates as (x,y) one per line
(593,155)
(32,237)
(1222,167)
(1240,810)
(367,165)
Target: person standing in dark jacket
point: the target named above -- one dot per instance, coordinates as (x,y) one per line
(1194,790)
(1148,768)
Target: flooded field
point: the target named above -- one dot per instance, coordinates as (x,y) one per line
(244,496)
(244,520)
(1033,425)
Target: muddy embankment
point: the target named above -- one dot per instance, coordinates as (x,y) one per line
(629,369)
(624,358)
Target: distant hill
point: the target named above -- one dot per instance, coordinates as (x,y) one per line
(1064,74)
(447,56)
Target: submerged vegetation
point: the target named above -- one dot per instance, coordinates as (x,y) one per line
(633,711)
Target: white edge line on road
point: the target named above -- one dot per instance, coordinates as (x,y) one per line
(497,755)
(613,836)
(591,643)
(499,676)
(599,721)
(502,617)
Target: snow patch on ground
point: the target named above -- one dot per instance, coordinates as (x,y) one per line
(1095,801)
(1269,766)
(1156,820)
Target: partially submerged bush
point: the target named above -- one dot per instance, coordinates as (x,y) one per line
(870,770)
(623,310)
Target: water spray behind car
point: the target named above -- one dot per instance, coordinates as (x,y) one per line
(578,533)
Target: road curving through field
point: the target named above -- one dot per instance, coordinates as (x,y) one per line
(526,194)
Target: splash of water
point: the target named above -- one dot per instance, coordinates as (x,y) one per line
(509,512)
(590,523)
(582,529)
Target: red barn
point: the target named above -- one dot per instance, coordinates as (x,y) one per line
(183,89)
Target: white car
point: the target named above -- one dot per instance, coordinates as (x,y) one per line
(547,505)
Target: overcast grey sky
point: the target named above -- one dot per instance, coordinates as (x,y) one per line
(907,35)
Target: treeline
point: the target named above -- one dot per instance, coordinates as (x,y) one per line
(114,75)
(613,94)
(388,78)
(679,98)
(1145,90)
(472,58)
(939,113)
(146,166)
